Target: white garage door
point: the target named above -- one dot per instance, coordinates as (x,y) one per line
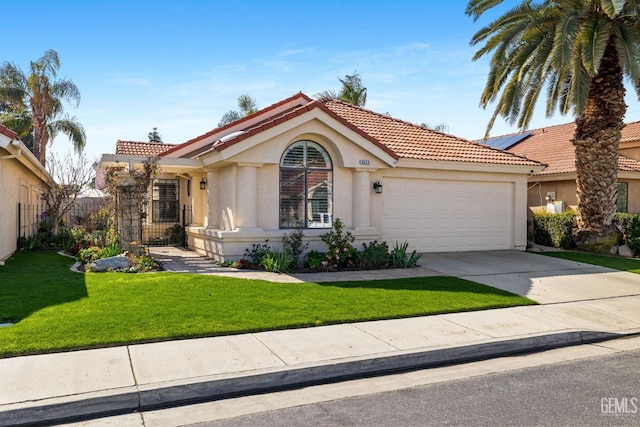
(439,216)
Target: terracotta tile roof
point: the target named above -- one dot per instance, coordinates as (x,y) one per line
(301,96)
(552,145)
(135,148)
(8,132)
(398,138)
(411,141)
(290,114)
(631,132)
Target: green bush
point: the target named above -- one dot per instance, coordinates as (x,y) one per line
(143,263)
(340,251)
(294,244)
(257,252)
(175,235)
(375,255)
(277,262)
(630,224)
(554,229)
(315,259)
(400,258)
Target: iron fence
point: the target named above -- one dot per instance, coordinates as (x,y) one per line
(33,221)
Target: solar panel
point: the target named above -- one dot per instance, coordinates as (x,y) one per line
(505,142)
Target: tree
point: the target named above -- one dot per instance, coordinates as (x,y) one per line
(42,95)
(246,104)
(18,121)
(352,91)
(580,51)
(70,176)
(440,127)
(154,136)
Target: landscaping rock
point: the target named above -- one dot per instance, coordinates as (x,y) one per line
(119,262)
(614,250)
(625,251)
(597,242)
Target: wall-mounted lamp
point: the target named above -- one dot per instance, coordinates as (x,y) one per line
(377,187)
(203,184)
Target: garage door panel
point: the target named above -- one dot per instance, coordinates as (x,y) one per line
(448,215)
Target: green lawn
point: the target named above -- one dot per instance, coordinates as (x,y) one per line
(55,309)
(631,265)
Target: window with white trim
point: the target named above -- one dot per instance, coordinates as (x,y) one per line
(306,186)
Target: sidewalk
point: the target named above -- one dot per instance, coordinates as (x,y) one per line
(579,303)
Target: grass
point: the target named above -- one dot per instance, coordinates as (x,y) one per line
(631,265)
(55,309)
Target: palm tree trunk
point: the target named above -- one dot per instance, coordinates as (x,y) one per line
(40,134)
(597,139)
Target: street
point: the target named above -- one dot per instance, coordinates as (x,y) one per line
(595,384)
(596,391)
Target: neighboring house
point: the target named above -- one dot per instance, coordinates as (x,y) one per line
(554,188)
(22,178)
(304,163)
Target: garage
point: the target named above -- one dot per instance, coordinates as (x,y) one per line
(442,216)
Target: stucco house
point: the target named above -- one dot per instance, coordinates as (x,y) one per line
(555,186)
(304,163)
(22,178)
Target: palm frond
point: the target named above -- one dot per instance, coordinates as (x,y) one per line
(70,127)
(476,8)
(593,40)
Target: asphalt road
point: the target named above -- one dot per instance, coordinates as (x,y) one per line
(596,391)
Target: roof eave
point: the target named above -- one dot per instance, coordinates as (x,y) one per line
(471,166)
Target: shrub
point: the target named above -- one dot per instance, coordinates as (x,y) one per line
(340,252)
(112,249)
(294,244)
(143,263)
(89,255)
(257,252)
(175,235)
(315,259)
(400,258)
(551,229)
(630,224)
(277,262)
(375,255)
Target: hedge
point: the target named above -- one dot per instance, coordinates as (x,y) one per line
(554,229)
(630,224)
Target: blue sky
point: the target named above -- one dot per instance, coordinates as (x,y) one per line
(180,65)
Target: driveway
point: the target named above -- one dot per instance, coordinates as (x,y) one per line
(544,279)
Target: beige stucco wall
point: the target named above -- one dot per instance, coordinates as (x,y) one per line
(565,191)
(19,184)
(630,152)
(232,173)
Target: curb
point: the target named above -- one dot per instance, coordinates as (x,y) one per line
(175,393)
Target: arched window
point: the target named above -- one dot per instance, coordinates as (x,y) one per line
(306,186)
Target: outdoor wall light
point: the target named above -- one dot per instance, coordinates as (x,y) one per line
(203,184)
(377,187)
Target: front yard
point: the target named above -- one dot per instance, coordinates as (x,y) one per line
(53,308)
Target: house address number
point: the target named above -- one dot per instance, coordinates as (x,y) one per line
(365,162)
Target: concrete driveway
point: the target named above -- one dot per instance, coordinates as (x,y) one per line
(544,279)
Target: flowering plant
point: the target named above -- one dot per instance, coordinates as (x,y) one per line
(341,252)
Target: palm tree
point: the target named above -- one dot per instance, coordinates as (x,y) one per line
(580,51)
(246,104)
(352,91)
(42,94)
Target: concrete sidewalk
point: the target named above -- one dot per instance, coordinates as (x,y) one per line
(579,303)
